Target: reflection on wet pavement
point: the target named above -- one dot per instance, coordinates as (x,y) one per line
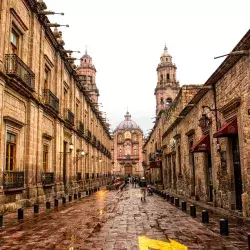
(113,220)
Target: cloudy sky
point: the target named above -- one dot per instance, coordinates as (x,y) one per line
(125,38)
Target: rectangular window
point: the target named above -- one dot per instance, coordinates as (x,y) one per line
(77,112)
(179,156)
(46,78)
(10,152)
(14,40)
(65,98)
(45,158)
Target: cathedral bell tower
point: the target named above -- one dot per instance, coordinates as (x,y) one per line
(167,87)
(87,74)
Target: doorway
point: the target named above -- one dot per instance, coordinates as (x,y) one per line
(64,162)
(209,176)
(237,172)
(192,167)
(174,171)
(169,172)
(128,170)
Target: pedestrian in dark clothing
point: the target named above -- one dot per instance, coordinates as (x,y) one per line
(135,182)
(143,186)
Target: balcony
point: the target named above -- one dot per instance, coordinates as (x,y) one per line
(94,140)
(98,144)
(78,176)
(13,180)
(80,127)
(127,157)
(17,69)
(69,117)
(87,176)
(48,179)
(89,135)
(51,100)
(152,157)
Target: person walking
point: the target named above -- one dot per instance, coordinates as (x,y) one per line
(135,182)
(143,186)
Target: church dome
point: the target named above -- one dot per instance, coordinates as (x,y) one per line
(127,123)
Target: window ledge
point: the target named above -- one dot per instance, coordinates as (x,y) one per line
(13,190)
(14,121)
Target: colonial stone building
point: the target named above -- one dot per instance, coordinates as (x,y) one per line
(53,139)
(127,155)
(206,142)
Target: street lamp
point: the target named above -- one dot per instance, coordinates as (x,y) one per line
(71,147)
(204,122)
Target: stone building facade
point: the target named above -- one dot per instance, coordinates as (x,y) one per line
(53,139)
(127,154)
(206,142)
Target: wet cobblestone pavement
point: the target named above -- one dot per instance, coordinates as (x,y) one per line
(114,220)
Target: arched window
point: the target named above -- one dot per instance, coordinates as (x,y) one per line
(166,59)
(162,102)
(168,77)
(169,101)
(161,79)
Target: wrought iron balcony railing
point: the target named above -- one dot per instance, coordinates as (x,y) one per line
(127,157)
(87,176)
(51,100)
(16,68)
(70,117)
(78,176)
(47,178)
(152,157)
(89,135)
(94,140)
(80,127)
(12,180)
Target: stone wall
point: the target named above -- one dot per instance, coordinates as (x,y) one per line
(222,99)
(35,120)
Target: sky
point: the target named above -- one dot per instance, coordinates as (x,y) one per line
(126,38)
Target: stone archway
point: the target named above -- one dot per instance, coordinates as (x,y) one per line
(128,170)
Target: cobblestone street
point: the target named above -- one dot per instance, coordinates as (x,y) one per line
(114,220)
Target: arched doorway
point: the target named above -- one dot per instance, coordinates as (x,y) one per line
(128,170)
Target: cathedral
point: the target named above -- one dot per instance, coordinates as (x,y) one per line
(128,141)
(167,86)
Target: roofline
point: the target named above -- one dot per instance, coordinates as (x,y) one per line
(226,65)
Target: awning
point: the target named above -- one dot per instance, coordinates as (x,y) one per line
(227,130)
(203,145)
(155,164)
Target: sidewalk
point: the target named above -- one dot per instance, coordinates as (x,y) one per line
(239,227)
(226,214)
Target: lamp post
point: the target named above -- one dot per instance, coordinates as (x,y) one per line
(204,122)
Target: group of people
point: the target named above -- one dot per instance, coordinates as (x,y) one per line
(142,183)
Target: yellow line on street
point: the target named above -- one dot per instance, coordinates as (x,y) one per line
(145,243)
